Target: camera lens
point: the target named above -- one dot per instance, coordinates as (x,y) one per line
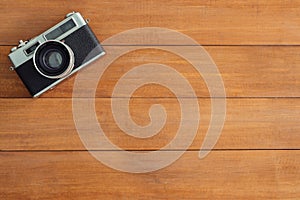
(53,59)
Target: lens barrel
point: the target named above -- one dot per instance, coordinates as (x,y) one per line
(53,59)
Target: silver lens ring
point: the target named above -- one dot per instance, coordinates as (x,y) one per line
(61,67)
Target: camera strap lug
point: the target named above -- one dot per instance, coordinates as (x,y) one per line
(22,43)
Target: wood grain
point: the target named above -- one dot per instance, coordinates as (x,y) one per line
(246,72)
(221,175)
(47,124)
(253,43)
(208,22)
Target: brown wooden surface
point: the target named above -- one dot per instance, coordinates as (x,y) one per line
(209,22)
(253,43)
(246,71)
(250,124)
(221,175)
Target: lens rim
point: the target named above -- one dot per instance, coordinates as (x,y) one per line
(67,60)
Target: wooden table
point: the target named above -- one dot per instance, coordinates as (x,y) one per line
(255,45)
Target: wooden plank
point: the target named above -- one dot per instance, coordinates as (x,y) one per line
(221,175)
(47,124)
(208,22)
(246,72)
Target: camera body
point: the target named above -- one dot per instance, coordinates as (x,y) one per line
(56,54)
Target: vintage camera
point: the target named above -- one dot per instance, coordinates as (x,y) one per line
(51,57)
